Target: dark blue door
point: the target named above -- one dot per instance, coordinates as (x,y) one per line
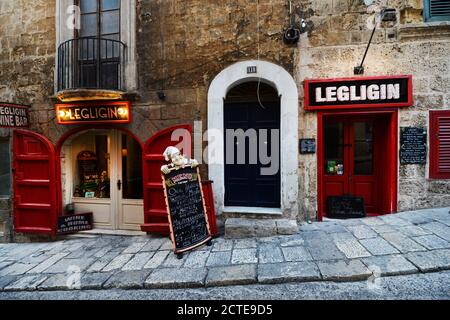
(245,184)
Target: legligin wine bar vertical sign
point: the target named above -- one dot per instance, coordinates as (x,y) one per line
(189,226)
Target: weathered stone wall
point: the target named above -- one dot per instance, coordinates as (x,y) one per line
(27,61)
(5,205)
(183,45)
(409,46)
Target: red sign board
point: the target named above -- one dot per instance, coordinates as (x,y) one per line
(14,116)
(98,112)
(368,92)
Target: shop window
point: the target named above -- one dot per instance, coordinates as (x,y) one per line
(92,166)
(440,144)
(436,10)
(5,169)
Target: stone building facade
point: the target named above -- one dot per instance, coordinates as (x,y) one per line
(194,53)
(408,46)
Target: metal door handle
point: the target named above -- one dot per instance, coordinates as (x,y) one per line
(119,184)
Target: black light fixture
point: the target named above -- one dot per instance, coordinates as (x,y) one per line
(386,14)
(161,95)
(292,33)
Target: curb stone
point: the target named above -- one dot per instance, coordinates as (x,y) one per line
(231,275)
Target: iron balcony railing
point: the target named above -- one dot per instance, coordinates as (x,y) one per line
(91,63)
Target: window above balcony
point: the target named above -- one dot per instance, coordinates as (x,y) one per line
(96,58)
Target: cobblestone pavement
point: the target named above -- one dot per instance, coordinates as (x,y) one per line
(334,250)
(423,286)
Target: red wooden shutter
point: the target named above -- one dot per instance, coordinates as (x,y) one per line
(155,212)
(440,144)
(34,183)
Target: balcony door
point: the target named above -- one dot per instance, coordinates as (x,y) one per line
(99,45)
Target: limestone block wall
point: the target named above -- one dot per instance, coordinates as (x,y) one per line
(5,205)
(183,45)
(180,47)
(407,46)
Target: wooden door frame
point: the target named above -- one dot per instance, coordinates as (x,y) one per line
(389,203)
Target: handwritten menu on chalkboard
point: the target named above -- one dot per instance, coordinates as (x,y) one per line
(74,223)
(342,207)
(413,145)
(187,214)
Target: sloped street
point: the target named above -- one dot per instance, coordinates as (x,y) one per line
(369,252)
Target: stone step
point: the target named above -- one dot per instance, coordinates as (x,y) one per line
(246,228)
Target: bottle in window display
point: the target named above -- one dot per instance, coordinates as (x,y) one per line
(103,186)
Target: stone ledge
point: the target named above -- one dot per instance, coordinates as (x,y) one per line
(245,228)
(426,30)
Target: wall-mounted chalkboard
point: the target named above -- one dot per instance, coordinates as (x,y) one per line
(345,207)
(307,146)
(413,145)
(188,220)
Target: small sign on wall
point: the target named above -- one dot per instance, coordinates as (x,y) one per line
(14,116)
(252,69)
(413,145)
(101,112)
(367,92)
(307,146)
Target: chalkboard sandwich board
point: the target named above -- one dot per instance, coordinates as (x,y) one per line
(189,226)
(74,223)
(344,207)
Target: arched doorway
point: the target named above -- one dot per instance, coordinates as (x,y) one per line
(283,82)
(252,146)
(101,172)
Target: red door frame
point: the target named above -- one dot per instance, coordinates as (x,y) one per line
(63,139)
(389,205)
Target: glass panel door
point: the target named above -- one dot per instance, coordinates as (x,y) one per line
(131,168)
(334,148)
(92,165)
(363,148)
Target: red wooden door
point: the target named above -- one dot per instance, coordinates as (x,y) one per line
(363,179)
(350,161)
(155,212)
(336,153)
(34,183)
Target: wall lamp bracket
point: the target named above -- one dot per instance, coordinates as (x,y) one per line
(386,14)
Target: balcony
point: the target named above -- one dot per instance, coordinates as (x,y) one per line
(91,69)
